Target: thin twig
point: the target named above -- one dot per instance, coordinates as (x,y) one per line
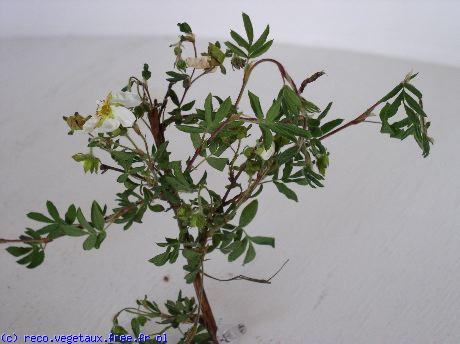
(25,241)
(357,120)
(246,278)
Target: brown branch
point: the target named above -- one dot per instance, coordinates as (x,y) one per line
(212,137)
(25,241)
(357,120)
(246,278)
(155,125)
(283,72)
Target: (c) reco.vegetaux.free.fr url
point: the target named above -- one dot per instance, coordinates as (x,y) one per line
(82,338)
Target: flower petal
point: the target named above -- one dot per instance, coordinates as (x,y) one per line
(90,124)
(267,154)
(123,115)
(109,125)
(126,99)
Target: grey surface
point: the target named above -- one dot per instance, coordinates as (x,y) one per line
(374,256)
(425,30)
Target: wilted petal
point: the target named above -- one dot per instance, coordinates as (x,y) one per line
(198,62)
(123,115)
(90,124)
(109,125)
(127,99)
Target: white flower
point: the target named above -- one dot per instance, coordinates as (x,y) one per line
(126,99)
(266,154)
(110,115)
(199,62)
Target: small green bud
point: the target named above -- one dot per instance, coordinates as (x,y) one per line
(177,50)
(252,166)
(197,220)
(183,213)
(241,133)
(181,64)
(322,162)
(248,151)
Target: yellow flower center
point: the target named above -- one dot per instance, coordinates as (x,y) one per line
(104,111)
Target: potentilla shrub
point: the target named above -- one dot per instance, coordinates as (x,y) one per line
(280,143)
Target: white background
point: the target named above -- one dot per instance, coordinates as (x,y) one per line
(374,256)
(425,30)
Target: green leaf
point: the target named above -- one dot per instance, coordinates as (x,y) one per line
(248,27)
(18,251)
(53,211)
(175,77)
(157,208)
(217,54)
(222,112)
(96,216)
(184,27)
(327,127)
(100,238)
(192,256)
(160,259)
(250,254)
(261,240)
(286,191)
(414,104)
(173,256)
(81,219)
(392,93)
(274,111)
(190,277)
(146,74)
(217,163)
(118,330)
(248,213)
(188,106)
(90,242)
(287,155)
(255,105)
(136,327)
(291,98)
(235,49)
(72,230)
(238,250)
(240,40)
(267,136)
(261,40)
(208,109)
(325,111)
(262,50)
(196,140)
(71,214)
(289,130)
(414,90)
(39,217)
(190,129)
(36,258)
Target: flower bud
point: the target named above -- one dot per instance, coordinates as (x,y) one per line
(238,62)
